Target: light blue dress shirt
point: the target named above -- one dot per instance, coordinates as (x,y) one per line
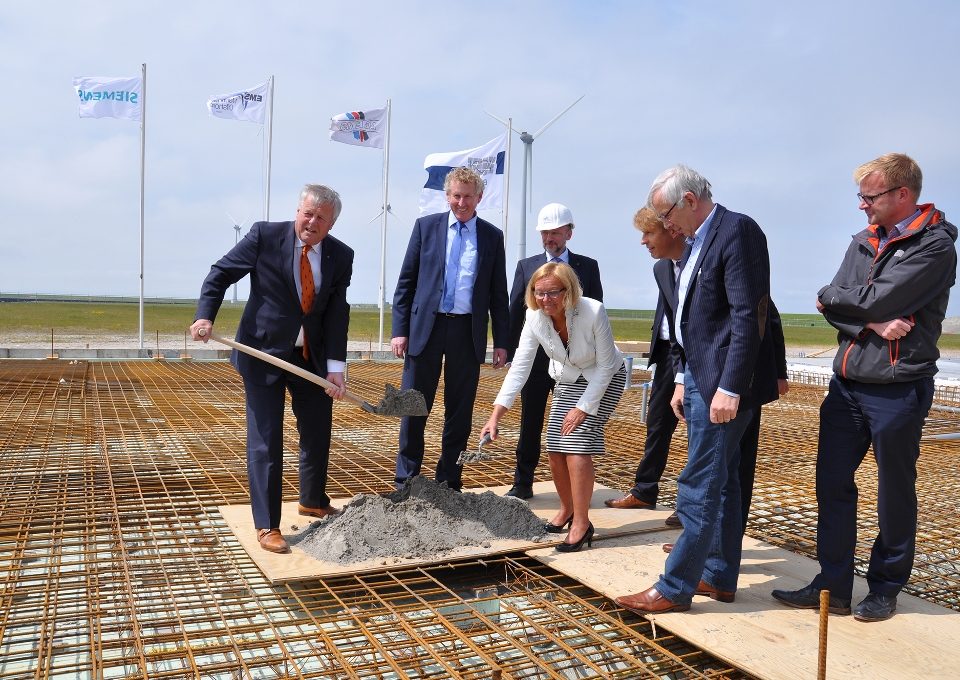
(467,276)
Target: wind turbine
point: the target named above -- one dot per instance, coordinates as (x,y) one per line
(382,295)
(527,140)
(236,240)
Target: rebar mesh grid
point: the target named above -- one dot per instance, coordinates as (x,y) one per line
(115,563)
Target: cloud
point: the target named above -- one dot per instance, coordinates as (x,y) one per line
(776,104)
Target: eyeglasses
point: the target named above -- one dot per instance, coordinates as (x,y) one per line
(868,199)
(663,218)
(549,294)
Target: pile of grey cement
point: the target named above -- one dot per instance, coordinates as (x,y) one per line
(420,520)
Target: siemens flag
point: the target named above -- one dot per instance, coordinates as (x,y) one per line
(109,97)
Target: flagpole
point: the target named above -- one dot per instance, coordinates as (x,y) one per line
(506,180)
(383,227)
(143,136)
(266,200)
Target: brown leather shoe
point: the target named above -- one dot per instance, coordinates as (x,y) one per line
(667,548)
(650,602)
(326,511)
(673,521)
(628,502)
(272,540)
(704,588)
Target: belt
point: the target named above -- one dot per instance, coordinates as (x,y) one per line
(452,316)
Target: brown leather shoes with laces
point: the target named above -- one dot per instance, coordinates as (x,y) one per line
(325,511)
(272,540)
(628,502)
(704,588)
(650,602)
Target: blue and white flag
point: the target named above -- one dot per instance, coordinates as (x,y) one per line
(109,97)
(488,160)
(362,128)
(250,104)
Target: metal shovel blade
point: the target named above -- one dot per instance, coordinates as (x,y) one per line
(475,456)
(398,403)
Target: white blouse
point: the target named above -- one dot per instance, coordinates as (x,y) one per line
(590,352)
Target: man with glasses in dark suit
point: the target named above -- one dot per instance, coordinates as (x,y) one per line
(722,332)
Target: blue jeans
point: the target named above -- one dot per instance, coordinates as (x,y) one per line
(708,503)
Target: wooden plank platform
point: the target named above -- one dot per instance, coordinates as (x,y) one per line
(298,565)
(763,637)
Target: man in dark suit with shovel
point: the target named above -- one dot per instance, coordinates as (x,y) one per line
(297,311)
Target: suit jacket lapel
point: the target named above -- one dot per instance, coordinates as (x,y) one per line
(664,276)
(287,254)
(715,226)
(440,235)
(483,244)
(328,260)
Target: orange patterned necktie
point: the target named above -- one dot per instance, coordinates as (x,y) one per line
(308,292)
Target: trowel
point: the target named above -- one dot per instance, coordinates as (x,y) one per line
(478,455)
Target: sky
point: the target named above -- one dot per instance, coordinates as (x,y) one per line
(775,103)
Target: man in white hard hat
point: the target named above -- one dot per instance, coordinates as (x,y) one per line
(555,224)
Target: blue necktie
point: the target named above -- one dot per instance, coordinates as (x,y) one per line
(453,269)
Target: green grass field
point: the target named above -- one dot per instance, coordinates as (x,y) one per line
(800,330)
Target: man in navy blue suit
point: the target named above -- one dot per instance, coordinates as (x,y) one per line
(666,247)
(452,281)
(297,311)
(725,348)
(555,224)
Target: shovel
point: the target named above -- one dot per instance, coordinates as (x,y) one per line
(479,455)
(394,403)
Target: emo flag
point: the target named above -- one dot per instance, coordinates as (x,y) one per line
(249,105)
(488,160)
(361,128)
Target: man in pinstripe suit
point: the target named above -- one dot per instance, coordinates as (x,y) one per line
(725,351)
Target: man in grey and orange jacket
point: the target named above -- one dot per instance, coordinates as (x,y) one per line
(887,301)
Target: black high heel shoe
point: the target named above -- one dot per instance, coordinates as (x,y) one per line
(575,547)
(552,528)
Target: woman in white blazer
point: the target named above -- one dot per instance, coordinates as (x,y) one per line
(588,369)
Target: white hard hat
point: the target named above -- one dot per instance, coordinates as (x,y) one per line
(554,215)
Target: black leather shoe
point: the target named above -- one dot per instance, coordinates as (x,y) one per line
(575,547)
(808,597)
(552,528)
(524,493)
(875,607)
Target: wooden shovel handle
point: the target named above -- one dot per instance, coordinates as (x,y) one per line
(285,365)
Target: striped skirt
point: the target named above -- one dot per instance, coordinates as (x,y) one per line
(587,439)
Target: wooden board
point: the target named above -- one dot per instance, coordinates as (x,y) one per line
(298,565)
(763,637)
